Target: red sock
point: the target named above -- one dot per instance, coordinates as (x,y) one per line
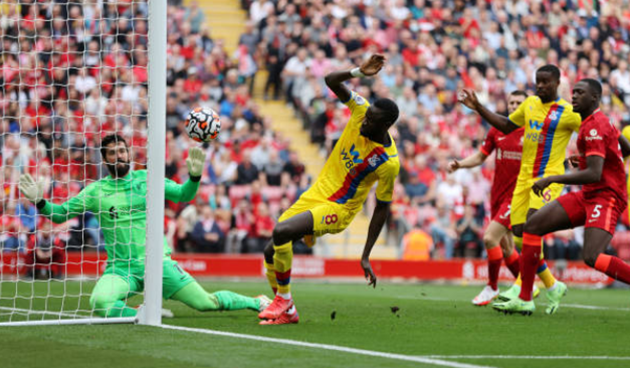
(495,257)
(513,264)
(529,264)
(613,267)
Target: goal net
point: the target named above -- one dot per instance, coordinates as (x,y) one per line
(72,72)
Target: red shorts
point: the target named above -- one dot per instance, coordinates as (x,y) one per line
(601,212)
(501,214)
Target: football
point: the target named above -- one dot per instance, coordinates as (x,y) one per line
(203,124)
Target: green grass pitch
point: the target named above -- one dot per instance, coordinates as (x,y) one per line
(431,320)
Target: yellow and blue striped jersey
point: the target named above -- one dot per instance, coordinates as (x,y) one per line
(548,129)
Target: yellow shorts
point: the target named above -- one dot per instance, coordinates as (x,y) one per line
(524,199)
(328,217)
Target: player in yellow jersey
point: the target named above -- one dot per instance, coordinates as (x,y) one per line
(364,154)
(549,122)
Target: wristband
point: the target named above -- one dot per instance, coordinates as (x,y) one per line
(195,179)
(356,72)
(41,204)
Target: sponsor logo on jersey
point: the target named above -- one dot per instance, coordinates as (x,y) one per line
(536,125)
(594,135)
(351,157)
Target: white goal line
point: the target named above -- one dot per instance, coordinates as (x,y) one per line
(418,359)
(536,357)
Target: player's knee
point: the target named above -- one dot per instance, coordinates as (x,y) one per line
(533,227)
(590,257)
(282,233)
(100,304)
(269,253)
(489,241)
(517,230)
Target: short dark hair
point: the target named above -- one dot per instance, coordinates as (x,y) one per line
(595,86)
(519,92)
(109,139)
(389,107)
(551,69)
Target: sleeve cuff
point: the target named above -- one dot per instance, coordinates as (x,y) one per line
(348,100)
(384,202)
(41,204)
(484,151)
(195,179)
(595,153)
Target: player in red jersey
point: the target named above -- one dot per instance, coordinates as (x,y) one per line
(498,236)
(597,206)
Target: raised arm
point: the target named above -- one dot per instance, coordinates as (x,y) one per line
(469,98)
(334,80)
(187,191)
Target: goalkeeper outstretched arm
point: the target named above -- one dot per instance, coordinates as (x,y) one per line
(187,191)
(34,190)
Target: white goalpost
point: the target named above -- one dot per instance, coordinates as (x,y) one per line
(72,73)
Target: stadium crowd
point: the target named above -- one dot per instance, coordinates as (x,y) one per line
(433,49)
(74,72)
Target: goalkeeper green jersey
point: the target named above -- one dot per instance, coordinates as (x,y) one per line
(120,206)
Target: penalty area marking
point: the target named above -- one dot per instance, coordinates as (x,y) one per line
(409,358)
(539,357)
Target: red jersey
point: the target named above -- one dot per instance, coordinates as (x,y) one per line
(598,137)
(507,163)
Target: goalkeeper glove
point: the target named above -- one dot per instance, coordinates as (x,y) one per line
(195,162)
(31,189)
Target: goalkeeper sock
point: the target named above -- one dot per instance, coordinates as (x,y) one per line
(282,260)
(495,257)
(231,301)
(512,263)
(270,272)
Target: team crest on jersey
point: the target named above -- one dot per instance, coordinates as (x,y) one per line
(358,99)
(374,160)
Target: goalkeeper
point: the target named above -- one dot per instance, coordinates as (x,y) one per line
(119,203)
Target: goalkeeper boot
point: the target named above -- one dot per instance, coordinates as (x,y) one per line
(276,308)
(289,317)
(263,301)
(486,296)
(554,296)
(516,305)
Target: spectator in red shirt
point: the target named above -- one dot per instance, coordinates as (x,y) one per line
(261,230)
